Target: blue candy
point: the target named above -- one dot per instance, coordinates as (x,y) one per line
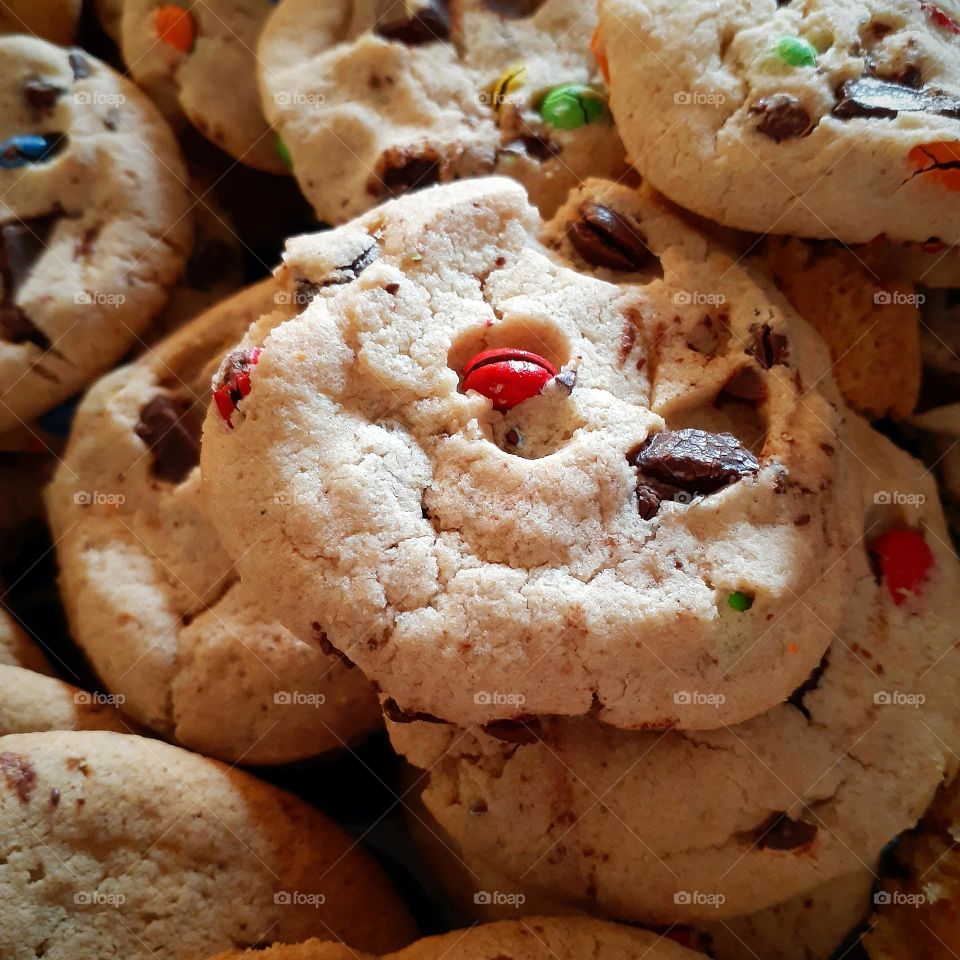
(23,149)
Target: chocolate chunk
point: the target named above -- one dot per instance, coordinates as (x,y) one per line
(306,290)
(79,65)
(520,731)
(811,683)
(781,117)
(779,832)
(648,501)
(693,461)
(393,712)
(41,96)
(765,346)
(21,244)
(412,174)
(873,97)
(19,774)
(169,427)
(430,23)
(538,148)
(605,238)
(513,9)
(210,261)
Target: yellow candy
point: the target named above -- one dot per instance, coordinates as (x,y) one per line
(511,79)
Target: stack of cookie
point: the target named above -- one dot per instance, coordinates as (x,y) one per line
(556,454)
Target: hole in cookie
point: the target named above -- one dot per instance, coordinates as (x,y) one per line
(531,336)
(729,413)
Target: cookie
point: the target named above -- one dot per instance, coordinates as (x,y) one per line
(53,20)
(31,702)
(151,596)
(198,60)
(535,938)
(94,223)
(918,909)
(680,826)
(519,471)
(872,329)
(114,845)
(931,265)
(835,119)
(17,649)
(375,99)
(110,15)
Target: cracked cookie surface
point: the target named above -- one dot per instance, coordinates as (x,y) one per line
(94,222)
(757,813)
(374,97)
(825,118)
(152,597)
(635,538)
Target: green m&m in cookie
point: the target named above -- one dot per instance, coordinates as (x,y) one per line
(573,105)
(796,52)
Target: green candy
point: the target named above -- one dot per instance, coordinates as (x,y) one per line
(796,52)
(741,602)
(573,105)
(284,153)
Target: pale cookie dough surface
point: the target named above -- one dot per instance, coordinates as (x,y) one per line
(534,938)
(214,83)
(31,702)
(863,141)
(748,816)
(116,846)
(53,20)
(370,109)
(92,236)
(154,600)
(477,577)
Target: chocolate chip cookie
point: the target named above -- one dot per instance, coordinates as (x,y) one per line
(94,224)
(152,597)
(834,118)
(519,468)
(373,99)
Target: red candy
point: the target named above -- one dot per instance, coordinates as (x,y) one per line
(233,382)
(507,376)
(905,561)
(175,26)
(940,18)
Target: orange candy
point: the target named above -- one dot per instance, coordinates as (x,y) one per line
(175,26)
(939,162)
(596,48)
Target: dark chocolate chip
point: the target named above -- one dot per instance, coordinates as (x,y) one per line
(411,174)
(873,97)
(779,832)
(170,428)
(811,683)
(79,65)
(520,731)
(210,262)
(765,346)
(513,9)
(648,501)
(538,148)
(41,96)
(430,23)
(306,290)
(55,796)
(605,238)
(21,244)
(19,774)
(693,461)
(392,711)
(781,117)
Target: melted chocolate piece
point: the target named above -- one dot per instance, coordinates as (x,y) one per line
(169,427)
(605,238)
(765,346)
(41,96)
(411,174)
(513,9)
(21,244)
(430,23)
(782,117)
(883,99)
(393,712)
(811,683)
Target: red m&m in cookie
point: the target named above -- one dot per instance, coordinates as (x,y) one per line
(904,560)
